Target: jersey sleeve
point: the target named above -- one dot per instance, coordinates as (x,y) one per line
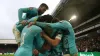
(42,24)
(59,36)
(33,19)
(57,25)
(23,10)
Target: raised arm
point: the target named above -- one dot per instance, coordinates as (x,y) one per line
(57,25)
(23,10)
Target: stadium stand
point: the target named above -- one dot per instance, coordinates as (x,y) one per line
(88,44)
(87,23)
(7,46)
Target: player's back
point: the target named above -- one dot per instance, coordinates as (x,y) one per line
(27,38)
(71,36)
(26,44)
(70,39)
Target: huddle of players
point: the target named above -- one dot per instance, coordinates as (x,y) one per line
(38,35)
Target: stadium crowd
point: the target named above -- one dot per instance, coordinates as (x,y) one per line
(88,44)
(10,48)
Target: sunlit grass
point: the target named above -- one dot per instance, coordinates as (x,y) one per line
(7,55)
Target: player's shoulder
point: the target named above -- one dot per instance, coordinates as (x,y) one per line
(36,16)
(31,8)
(62,21)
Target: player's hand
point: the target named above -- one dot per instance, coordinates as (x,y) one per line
(31,23)
(35,52)
(24,22)
(43,34)
(46,46)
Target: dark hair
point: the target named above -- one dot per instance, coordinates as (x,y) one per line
(54,20)
(45,18)
(45,5)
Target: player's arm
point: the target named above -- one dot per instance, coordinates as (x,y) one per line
(33,19)
(37,53)
(23,10)
(53,42)
(57,25)
(40,24)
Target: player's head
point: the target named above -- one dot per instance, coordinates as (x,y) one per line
(42,8)
(46,18)
(54,20)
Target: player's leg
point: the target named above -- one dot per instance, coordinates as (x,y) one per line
(17,35)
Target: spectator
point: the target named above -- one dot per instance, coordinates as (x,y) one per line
(88,44)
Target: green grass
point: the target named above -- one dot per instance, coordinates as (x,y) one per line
(7,55)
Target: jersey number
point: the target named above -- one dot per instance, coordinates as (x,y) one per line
(22,42)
